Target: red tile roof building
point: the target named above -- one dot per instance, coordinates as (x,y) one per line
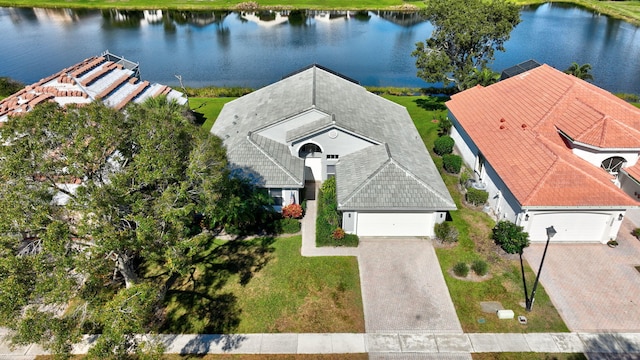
(545,133)
(108,78)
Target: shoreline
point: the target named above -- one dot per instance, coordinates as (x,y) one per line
(628,11)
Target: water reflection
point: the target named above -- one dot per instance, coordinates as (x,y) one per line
(253,49)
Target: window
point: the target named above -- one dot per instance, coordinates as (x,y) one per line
(276,195)
(613,164)
(309,148)
(332,156)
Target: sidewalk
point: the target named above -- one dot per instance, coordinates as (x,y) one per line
(389,343)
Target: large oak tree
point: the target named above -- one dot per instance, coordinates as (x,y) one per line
(466,33)
(90,198)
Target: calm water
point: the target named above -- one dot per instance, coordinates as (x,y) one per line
(226,48)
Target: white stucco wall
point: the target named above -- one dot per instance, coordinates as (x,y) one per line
(596,157)
(332,141)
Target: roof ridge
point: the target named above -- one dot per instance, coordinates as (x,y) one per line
(369,178)
(552,109)
(541,182)
(271,158)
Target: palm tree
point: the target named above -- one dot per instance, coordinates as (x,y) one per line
(483,77)
(580,71)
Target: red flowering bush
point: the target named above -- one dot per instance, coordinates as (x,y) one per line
(338,234)
(292,211)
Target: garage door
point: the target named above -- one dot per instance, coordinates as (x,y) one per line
(395,224)
(570,226)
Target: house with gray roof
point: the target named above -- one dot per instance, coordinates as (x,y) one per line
(315,124)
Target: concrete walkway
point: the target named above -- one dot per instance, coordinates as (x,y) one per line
(389,345)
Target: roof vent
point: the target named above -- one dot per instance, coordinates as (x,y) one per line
(502,120)
(524,126)
(502,127)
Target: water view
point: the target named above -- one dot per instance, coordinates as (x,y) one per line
(255,49)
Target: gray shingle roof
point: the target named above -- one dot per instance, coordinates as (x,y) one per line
(399,174)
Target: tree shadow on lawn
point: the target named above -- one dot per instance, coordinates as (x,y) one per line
(432,103)
(195,302)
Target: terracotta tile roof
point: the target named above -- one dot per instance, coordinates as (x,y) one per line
(516,122)
(91,79)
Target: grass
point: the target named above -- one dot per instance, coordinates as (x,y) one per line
(218,4)
(265,286)
(628,10)
(505,283)
(625,10)
(207,109)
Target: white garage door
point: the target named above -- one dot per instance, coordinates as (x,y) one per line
(395,224)
(570,226)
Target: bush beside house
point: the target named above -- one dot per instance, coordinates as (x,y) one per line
(476,197)
(443,145)
(328,227)
(452,163)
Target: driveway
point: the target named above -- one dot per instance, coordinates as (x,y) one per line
(594,287)
(403,289)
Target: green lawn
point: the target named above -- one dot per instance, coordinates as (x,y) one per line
(625,10)
(505,284)
(217,4)
(265,286)
(207,109)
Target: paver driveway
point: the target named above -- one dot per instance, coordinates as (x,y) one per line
(403,289)
(593,287)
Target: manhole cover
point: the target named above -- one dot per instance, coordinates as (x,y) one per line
(481,320)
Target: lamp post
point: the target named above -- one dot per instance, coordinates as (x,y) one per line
(550,233)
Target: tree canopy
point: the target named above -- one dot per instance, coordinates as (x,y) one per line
(466,34)
(580,71)
(510,237)
(90,199)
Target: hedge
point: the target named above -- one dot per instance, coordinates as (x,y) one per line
(451,163)
(443,145)
(476,197)
(328,219)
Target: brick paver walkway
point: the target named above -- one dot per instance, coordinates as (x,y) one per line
(595,288)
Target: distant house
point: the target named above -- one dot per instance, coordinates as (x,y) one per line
(107,78)
(315,124)
(551,150)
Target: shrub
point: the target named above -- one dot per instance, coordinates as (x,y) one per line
(636,232)
(465,175)
(338,234)
(461,269)
(292,211)
(289,226)
(443,145)
(446,232)
(444,126)
(350,240)
(510,237)
(452,163)
(480,267)
(476,197)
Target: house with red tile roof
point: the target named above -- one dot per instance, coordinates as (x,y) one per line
(551,150)
(109,78)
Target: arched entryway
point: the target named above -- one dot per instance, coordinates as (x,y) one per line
(312,155)
(309,149)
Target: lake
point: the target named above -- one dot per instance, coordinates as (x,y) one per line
(256,49)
